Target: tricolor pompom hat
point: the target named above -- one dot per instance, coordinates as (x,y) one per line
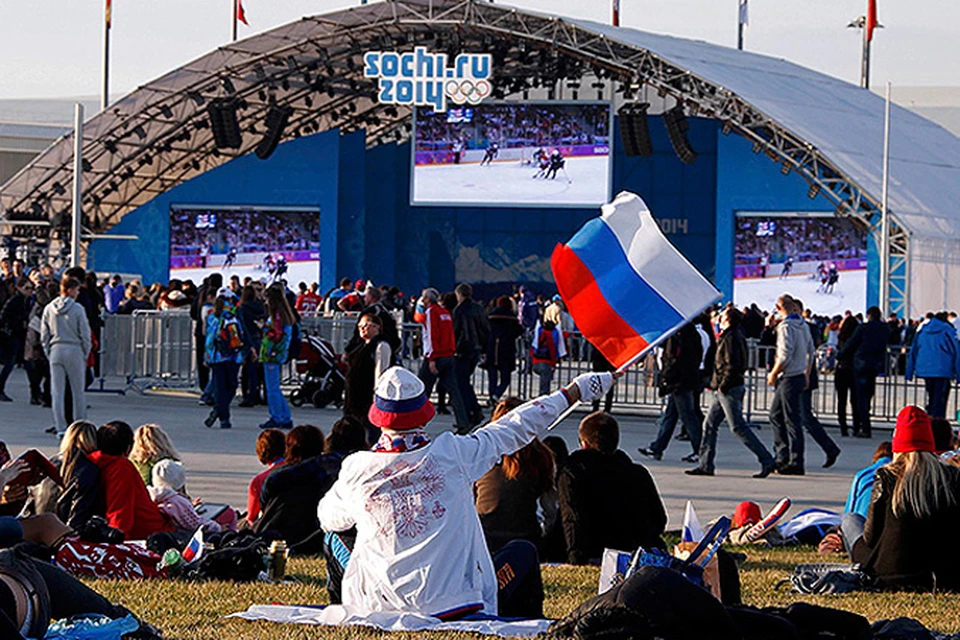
(913,431)
(400,401)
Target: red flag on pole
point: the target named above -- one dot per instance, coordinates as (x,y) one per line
(241,16)
(106,14)
(616,13)
(872,21)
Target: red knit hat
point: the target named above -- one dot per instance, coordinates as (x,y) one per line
(913,431)
(746,513)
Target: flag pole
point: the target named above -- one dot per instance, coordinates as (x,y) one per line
(235,10)
(105,98)
(740,10)
(77,184)
(884,212)
(865,61)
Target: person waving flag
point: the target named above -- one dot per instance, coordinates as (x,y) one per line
(625,285)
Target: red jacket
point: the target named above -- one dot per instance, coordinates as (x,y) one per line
(129,507)
(438,338)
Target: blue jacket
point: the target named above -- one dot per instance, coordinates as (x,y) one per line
(858,500)
(935,352)
(213,352)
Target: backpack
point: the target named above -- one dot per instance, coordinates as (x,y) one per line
(827,577)
(229,338)
(543,346)
(293,351)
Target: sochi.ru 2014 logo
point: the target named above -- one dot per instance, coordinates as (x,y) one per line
(423,78)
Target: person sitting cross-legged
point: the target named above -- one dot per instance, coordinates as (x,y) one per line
(606,499)
(419,546)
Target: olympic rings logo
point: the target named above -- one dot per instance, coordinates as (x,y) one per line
(463,91)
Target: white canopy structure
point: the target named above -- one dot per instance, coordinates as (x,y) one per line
(827,130)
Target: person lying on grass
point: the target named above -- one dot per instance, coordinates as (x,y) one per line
(419,545)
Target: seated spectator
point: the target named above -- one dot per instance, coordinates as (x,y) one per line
(292,492)
(168,491)
(858,500)
(44,529)
(908,536)
(82,496)
(32,593)
(270,444)
(508,495)
(128,505)
(151,444)
(943,436)
(419,546)
(607,501)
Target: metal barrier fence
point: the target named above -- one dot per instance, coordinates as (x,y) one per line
(156,348)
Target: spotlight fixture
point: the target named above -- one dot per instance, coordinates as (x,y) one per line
(785,169)
(727,128)
(814,191)
(139,132)
(228,86)
(166,111)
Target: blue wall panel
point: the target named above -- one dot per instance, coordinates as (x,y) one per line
(300,172)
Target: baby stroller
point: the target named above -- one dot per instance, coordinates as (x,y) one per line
(323,374)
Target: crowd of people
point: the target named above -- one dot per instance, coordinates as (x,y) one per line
(802,239)
(514,126)
(457,524)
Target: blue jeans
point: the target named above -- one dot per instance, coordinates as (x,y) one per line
(446,372)
(499,380)
(786,420)
(729,406)
(276,403)
(938,392)
(851,529)
(545,372)
(813,426)
(224,377)
(681,405)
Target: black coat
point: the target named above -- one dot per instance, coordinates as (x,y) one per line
(290,497)
(502,342)
(868,344)
(471,328)
(388,332)
(731,361)
(248,314)
(681,361)
(608,502)
(81,497)
(13,317)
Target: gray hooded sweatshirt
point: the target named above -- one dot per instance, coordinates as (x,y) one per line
(795,346)
(64,324)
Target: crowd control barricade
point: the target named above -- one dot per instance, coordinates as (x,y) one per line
(149,348)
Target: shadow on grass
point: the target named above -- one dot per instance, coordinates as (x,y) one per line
(310,579)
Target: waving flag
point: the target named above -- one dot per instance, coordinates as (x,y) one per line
(625,285)
(872,20)
(692,530)
(241,16)
(194,549)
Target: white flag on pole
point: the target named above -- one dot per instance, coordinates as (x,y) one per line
(692,531)
(744,13)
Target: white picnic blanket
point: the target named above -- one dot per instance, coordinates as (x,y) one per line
(337,615)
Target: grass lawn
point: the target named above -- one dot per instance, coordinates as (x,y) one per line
(187,611)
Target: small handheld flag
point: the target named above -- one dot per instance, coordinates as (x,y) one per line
(194,549)
(692,531)
(625,285)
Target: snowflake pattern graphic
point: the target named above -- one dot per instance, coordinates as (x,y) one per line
(405,498)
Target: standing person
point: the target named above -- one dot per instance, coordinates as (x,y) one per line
(935,357)
(869,348)
(502,347)
(213,282)
(471,332)
(66,338)
(434,560)
(728,385)
(365,364)
(309,300)
(679,380)
(810,422)
(113,294)
(226,347)
(790,375)
(35,360)
(843,376)
(13,331)
(439,345)
(546,350)
(251,312)
(275,351)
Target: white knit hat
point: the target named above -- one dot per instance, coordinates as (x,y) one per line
(169,473)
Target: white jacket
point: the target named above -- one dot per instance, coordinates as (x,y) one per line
(419,544)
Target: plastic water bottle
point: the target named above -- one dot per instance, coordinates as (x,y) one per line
(172,561)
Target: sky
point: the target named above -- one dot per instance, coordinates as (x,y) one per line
(53,48)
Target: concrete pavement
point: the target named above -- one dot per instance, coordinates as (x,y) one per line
(220,463)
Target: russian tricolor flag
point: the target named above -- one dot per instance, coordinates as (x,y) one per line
(625,285)
(194,549)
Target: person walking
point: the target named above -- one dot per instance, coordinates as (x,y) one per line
(679,381)
(935,357)
(251,313)
(728,385)
(546,351)
(213,282)
(869,348)
(810,421)
(790,375)
(35,360)
(274,352)
(843,376)
(471,331)
(13,331)
(226,348)
(439,346)
(66,338)
(501,351)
